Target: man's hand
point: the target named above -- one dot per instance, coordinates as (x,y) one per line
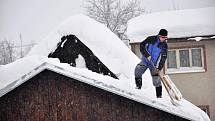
(156,72)
(149,58)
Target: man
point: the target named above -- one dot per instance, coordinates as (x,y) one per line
(154,53)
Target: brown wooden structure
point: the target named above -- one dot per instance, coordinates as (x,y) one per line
(49,96)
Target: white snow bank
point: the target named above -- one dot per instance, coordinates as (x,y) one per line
(103,43)
(179,23)
(16,73)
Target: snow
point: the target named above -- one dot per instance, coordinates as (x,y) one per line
(200,38)
(80,62)
(179,23)
(110,50)
(63,43)
(196,38)
(98,38)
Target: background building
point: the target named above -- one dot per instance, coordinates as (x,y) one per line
(191,42)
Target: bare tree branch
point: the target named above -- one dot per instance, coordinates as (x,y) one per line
(6,52)
(113,13)
(9,52)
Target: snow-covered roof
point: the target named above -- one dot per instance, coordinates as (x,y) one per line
(101,41)
(179,23)
(14,74)
(110,50)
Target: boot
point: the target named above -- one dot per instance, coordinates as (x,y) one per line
(138,82)
(158,91)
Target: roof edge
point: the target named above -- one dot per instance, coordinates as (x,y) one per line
(95,83)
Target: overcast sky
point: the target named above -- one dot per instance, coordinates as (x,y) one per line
(34,19)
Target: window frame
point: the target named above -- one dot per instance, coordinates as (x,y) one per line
(190,69)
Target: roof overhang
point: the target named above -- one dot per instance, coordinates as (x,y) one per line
(97,83)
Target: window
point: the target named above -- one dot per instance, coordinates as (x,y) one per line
(185,60)
(171,59)
(196,57)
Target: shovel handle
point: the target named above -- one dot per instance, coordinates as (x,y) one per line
(159,74)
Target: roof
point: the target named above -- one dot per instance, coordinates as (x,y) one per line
(98,38)
(179,23)
(110,50)
(36,64)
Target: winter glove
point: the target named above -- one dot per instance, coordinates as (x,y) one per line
(156,72)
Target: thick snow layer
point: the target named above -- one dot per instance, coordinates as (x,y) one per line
(110,50)
(102,42)
(16,73)
(179,23)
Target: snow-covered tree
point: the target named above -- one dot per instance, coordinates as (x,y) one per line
(9,52)
(6,52)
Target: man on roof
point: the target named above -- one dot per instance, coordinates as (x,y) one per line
(154,53)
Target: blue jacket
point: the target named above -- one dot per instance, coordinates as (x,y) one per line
(152,46)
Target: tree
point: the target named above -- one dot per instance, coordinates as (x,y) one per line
(9,52)
(6,52)
(113,13)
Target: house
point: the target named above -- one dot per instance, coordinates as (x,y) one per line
(40,87)
(191,42)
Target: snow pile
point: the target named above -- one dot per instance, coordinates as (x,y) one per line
(180,23)
(102,42)
(13,71)
(110,50)
(200,38)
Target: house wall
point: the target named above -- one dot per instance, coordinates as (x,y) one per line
(199,87)
(53,97)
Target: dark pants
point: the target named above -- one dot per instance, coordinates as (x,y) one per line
(140,70)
